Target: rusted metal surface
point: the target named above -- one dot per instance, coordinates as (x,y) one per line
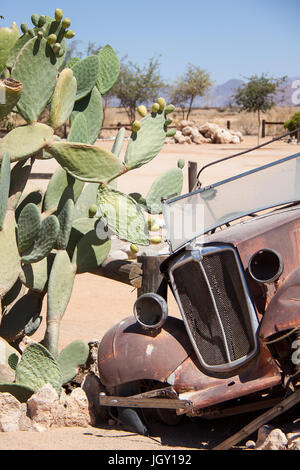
(283,311)
(128,353)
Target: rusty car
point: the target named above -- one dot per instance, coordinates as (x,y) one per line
(234,270)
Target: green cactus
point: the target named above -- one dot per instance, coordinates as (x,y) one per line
(87,162)
(48,238)
(4,186)
(63,98)
(123,215)
(166,185)
(91,108)
(79,129)
(25,141)
(72,356)
(109,69)
(8,37)
(86,73)
(45,240)
(60,287)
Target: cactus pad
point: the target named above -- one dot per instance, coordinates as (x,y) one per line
(90,251)
(8,37)
(87,162)
(123,216)
(9,256)
(79,129)
(166,185)
(86,73)
(109,69)
(91,108)
(26,140)
(45,240)
(29,222)
(63,98)
(38,367)
(72,356)
(4,186)
(36,92)
(145,144)
(61,183)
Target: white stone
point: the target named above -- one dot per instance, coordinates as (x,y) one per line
(276,440)
(77,409)
(10,413)
(43,407)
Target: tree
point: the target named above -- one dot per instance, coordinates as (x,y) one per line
(258,95)
(195,82)
(137,85)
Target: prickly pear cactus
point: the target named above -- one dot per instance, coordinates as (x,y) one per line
(46,238)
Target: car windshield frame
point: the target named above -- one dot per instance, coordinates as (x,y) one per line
(202,203)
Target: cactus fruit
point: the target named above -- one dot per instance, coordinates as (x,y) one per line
(171,133)
(162,103)
(58,14)
(69,34)
(142,110)
(134,248)
(93,210)
(155,108)
(52,38)
(136,126)
(155,240)
(169,109)
(66,23)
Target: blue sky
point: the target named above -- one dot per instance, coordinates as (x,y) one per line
(227,38)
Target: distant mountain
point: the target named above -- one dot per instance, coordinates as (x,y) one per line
(221,95)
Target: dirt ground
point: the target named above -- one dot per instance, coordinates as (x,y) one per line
(98,303)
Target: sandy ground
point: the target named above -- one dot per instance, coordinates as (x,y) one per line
(98,303)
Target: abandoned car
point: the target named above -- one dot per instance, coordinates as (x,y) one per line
(234,270)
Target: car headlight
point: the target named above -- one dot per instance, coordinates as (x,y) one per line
(150,311)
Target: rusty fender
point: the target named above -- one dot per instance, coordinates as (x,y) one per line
(128,353)
(283,311)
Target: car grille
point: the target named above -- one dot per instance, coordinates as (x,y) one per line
(215,305)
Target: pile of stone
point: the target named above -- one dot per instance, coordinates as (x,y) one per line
(187,132)
(272,438)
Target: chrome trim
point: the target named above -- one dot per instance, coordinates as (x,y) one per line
(205,250)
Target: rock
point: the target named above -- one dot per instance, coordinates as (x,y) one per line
(263,433)
(200,139)
(43,408)
(10,413)
(223,136)
(208,129)
(77,409)
(179,137)
(293,441)
(187,130)
(275,440)
(118,254)
(7,374)
(184,123)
